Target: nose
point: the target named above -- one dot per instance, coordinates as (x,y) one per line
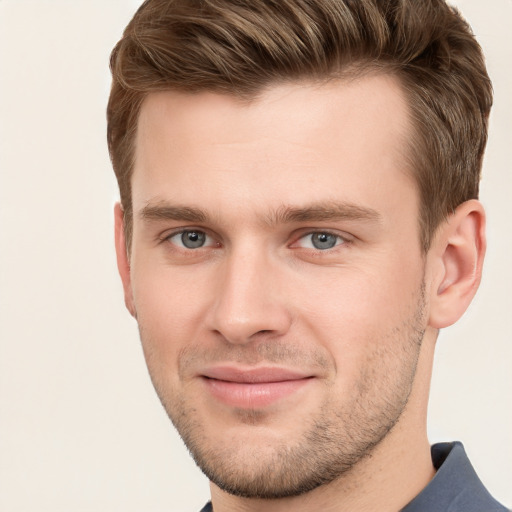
(249,302)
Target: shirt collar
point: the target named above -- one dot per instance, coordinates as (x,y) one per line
(455,485)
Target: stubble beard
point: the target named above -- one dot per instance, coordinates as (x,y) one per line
(336,441)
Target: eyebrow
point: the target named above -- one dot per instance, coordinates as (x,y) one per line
(316,212)
(163,211)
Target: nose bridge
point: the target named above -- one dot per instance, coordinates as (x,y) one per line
(249,300)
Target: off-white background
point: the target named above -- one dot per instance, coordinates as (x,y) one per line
(80,426)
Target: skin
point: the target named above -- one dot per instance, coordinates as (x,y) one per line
(355,323)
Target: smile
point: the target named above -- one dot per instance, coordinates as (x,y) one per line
(253,388)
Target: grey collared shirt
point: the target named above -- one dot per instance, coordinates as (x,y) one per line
(455,486)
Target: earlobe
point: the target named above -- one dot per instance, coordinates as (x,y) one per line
(458,253)
(123,261)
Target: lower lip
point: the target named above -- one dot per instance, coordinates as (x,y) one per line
(253,395)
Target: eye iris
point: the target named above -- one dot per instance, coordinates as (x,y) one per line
(323,240)
(192,239)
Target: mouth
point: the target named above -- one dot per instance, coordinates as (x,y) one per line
(253,388)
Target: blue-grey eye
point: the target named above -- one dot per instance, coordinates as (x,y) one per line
(193,239)
(324,240)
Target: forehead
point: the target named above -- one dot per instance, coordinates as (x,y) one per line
(294,143)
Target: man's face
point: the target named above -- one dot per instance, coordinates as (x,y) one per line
(277,277)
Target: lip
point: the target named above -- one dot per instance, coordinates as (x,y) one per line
(251,388)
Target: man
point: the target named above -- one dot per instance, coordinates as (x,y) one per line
(298,219)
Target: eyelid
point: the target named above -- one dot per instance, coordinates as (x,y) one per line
(168,235)
(344,238)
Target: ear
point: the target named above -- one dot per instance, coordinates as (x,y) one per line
(458,255)
(123,260)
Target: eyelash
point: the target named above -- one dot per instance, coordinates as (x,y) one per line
(168,236)
(341,240)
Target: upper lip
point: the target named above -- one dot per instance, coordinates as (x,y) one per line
(253,375)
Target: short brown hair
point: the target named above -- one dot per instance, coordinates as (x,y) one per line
(239,47)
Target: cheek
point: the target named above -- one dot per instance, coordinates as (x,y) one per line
(353,311)
(339,298)
(169,308)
